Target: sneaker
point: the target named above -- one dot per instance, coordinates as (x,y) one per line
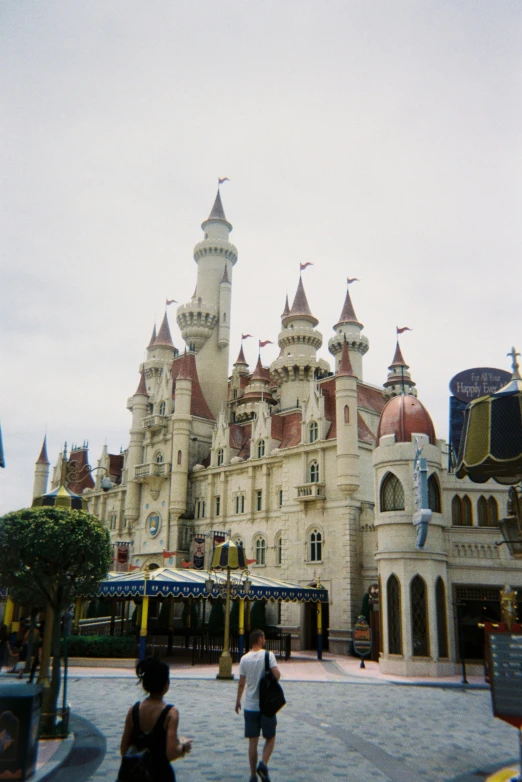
(262,770)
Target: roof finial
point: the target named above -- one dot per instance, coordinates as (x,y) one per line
(515,366)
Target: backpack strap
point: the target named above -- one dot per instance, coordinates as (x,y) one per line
(136,717)
(267,662)
(160,722)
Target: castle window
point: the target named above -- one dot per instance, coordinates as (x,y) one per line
(259,499)
(239,542)
(235,393)
(218,505)
(220,457)
(487,511)
(442,626)
(260,449)
(158,458)
(456,511)
(315,542)
(492,512)
(280,498)
(224,317)
(278,549)
(419,618)
(260,548)
(346,414)
(313,432)
(200,509)
(434,494)
(179,457)
(467,512)
(314,472)
(392,493)
(240,503)
(162,408)
(393,594)
(113,520)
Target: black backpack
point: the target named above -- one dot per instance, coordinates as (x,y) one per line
(136,764)
(271,695)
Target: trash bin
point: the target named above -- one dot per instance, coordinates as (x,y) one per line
(20,707)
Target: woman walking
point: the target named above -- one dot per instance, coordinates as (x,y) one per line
(152,724)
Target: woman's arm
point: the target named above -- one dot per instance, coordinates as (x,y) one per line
(175,748)
(127,733)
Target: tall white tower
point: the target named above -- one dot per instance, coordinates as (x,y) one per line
(41,472)
(205,321)
(349,328)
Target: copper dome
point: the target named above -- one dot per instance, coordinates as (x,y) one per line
(403,416)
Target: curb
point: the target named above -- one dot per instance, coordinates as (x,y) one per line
(59,757)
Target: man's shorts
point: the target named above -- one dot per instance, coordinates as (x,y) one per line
(255,722)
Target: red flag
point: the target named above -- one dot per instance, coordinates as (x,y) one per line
(304,265)
(404,328)
(349,280)
(245,336)
(170,301)
(251,561)
(223,179)
(186,564)
(265,342)
(167,554)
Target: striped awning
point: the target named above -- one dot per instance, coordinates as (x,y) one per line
(60,498)
(179,582)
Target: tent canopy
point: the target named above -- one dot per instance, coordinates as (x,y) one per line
(181,582)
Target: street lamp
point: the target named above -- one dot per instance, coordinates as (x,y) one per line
(228,556)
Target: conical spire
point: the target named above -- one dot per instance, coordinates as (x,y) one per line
(164,337)
(43,458)
(300,308)
(241,358)
(260,373)
(153,337)
(286,310)
(345,365)
(398,360)
(185,371)
(217,213)
(142,386)
(348,314)
(225,276)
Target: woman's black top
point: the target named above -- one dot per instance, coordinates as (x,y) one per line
(156,742)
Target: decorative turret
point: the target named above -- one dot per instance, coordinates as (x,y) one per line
(138,405)
(205,321)
(399,379)
(348,480)
(349,328)
(41,471)
(258,390)
(181,423)
(299,342)
(160,353)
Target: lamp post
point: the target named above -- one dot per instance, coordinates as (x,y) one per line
(228,557)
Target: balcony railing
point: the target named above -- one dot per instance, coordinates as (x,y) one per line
(154,422)
(151,470)
(308,492)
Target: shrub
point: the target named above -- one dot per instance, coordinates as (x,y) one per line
(100,646)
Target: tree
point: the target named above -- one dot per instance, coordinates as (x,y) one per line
(49,556)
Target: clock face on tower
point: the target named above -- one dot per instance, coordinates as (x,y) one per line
(153,524)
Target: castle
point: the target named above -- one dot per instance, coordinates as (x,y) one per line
(310,468)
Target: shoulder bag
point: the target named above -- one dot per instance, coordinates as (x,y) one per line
(271,695)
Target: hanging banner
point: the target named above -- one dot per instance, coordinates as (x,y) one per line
(199,553)
(123,555)
(219,538)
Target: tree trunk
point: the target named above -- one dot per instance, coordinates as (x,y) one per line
(56,668)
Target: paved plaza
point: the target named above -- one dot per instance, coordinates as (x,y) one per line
(343,727)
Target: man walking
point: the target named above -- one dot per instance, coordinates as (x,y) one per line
(251,671)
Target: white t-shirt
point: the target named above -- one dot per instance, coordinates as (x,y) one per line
(252,665)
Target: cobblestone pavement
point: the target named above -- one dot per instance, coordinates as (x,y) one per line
(351,731)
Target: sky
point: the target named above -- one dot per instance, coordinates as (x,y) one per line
(375,140)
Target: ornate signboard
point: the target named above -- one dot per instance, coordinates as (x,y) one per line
(505,660)
(362,639)
(472,383)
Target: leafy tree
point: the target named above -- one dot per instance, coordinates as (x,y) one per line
(50,556)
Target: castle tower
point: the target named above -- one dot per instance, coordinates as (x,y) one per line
(41,472)
(349,328)
(257,390)
(160,352)
(299,342)
(348,480)
(205,321)
(399,378)
(181,422)
(138,405)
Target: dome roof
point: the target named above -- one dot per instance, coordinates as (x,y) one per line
(403,416)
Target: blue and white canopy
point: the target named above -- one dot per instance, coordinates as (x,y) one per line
(181,582)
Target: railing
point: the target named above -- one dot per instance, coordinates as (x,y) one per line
(154,422)
(310,491)
(207,649)
(152,469)
(98,626)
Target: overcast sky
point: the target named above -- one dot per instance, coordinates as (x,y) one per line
(377,140)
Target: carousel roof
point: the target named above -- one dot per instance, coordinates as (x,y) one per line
(181,582)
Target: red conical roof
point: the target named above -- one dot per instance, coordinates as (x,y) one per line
(345,365)
(184,368)
(348,314)
(153,337)
(286,310)
(403,416)
(217,212)
(142,386)
(398,360)
(300,308)
(241,357)
(164,337)
(260,372)
(43,458)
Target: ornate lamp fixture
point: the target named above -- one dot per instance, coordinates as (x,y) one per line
(228,557)
(71,473)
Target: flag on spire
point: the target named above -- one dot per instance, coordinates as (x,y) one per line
(349,280)
(262,343)
(170,301)
(223,179)
(303,266)
(245,336)
(403,329)
(2,458)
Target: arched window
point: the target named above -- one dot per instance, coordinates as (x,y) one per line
(239,543)
(162,408)
(316,546)
(260,551)
(456,511)
(492,512)
(313,432)
(314,472)
(279,549)
(482,512)
(158,458)
(392,493)
(419,618)
(434,494)
(442,626)
(346,414)
(467,512)
(179,457)
(260,449)
(235,393)
(393,594)
(220,457)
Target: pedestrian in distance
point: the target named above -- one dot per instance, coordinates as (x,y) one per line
(5,647)
(151,727)
(251,671)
